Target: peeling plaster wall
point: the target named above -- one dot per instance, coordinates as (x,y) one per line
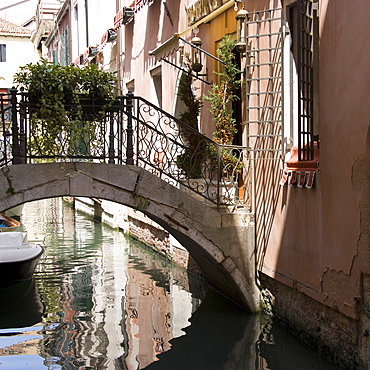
(340,282)
(316,241)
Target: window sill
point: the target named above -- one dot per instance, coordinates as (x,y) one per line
(300,173)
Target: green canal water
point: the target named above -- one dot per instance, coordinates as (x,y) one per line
(101,300)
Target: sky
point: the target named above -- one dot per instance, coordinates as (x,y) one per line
(17,11)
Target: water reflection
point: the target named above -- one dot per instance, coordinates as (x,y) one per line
(108,302)
(102,301)
(20,305)
(221,336)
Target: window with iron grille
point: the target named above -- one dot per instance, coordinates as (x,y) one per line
(280,87)
(2,53)
(55,56)
(302,23)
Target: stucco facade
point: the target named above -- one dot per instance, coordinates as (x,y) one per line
(312,233)
(317,234)
(15,41)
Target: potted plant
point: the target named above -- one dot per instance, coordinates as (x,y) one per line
(225,164)
(96,86)
(55,94)
(220,97)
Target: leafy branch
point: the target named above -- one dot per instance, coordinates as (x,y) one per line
(56,92)
(220,97)
(223,94)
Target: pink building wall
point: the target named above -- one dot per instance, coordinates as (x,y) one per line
(319,237)
(312,242)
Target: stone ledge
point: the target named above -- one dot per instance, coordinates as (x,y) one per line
(326,330)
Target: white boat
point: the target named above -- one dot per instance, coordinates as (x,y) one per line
(18,258)
(15,212)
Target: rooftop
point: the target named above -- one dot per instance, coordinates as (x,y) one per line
(10,28)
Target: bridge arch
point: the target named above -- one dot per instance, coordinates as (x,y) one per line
(221,243)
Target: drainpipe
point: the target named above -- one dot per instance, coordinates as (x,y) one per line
(118,57)
(87,22)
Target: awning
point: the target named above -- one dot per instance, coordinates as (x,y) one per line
(209,17)
(166,49)
(172,44)
(118,19)
(163,51)
(124,16)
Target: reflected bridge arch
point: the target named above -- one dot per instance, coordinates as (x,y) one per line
(221,243)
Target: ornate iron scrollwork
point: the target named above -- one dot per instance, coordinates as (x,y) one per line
(131,131)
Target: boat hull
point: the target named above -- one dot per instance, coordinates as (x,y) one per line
(16,271)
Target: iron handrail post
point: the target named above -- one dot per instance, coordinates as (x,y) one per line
(138,125)
(111,139)
(129,129)
(15,131)
(120,130)
(22,135)
(218,174)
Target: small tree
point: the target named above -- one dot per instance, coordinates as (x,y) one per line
(190,161)
(187,96)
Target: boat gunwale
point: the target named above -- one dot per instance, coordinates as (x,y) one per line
(29,259)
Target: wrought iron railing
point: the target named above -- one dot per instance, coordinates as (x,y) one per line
(130,131)
(5,138)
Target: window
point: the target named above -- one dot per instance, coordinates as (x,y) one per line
(55,56)
(65,57)
(157,83)
(75,32)
(302,19)
(2,53)
(281,80)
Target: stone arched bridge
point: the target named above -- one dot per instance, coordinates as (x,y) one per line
(221,243)
(134,153)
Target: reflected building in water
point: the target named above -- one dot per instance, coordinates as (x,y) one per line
(108,304)
(152,306)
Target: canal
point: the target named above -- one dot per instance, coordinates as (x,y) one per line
(101,300)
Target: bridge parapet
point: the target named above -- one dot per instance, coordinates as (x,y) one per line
(129,131)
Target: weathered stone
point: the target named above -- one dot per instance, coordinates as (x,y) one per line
(221,244)
(325,329)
